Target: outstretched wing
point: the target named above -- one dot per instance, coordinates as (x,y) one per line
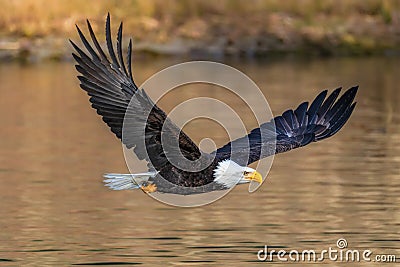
(293,129)
(111,87)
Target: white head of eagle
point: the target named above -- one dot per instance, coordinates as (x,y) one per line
(229,173)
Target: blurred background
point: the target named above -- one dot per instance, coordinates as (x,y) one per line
(38,28)
(54,208)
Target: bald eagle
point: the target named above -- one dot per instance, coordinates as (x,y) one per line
(110,85)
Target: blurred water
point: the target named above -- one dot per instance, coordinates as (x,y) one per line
(54,209)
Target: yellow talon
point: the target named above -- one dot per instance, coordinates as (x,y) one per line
(149,188)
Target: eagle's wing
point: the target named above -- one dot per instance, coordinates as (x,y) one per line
(293,129)
(111,87)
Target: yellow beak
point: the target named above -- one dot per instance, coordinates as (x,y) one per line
(254,176)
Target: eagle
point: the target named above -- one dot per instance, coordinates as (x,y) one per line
(115,96)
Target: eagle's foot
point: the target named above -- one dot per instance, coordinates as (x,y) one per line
(150,188)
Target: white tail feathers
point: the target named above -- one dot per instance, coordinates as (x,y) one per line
(118,181)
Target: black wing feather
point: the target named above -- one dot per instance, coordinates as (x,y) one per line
(111,88)
(328,104)
(87,45)
(96,43)
(300,113)
(289,117)
(109,43)
(119,49)
(129,58)
(293,129)
(314,107)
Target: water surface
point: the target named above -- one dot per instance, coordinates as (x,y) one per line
(54,209)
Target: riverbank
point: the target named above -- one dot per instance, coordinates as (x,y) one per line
(28,31)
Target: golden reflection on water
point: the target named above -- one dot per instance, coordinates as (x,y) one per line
(54,149)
